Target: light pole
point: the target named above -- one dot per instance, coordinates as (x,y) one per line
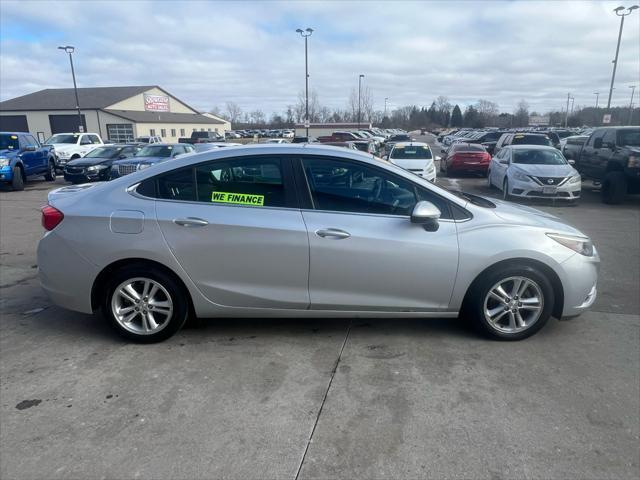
(633,90)
(385,106)
(572,100)
(597,94)
(360,77)
(69,49)
(566,115)
(305,34)
(615,60)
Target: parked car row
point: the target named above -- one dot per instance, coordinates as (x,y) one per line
(260,133)
(22,156)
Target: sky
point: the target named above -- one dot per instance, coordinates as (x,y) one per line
(208,53)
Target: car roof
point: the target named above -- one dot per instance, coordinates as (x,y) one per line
(412,144)
(531,147)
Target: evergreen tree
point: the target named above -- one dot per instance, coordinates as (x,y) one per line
(456,117)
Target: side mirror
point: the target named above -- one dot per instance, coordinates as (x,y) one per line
(29,148)
(597,143)
(572,162)
(426,214)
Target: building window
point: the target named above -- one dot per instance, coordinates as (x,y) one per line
(173,132)
(182,132)
(209,129)
(163,132)
(152,132)
(202,129)
(120,132)
(195,129)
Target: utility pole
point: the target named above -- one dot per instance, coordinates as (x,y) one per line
(305,34)
(566,115)
(70,49)
(633,89)
(359,89)
(615,60)
(597,94)
(385,106)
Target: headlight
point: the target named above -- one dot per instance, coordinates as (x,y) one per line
(575,179)
(62,154)
(633,162)
(581,245)
(4,161)
(96,168)
(521,176)
(142,166)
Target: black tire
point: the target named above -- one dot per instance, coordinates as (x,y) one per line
(473,307)
(50,176)
(176,293)
(17,183)
(505,190)
(614,188)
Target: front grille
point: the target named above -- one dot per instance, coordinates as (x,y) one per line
(550,181)
(74,170)
(540,194)
(126,169)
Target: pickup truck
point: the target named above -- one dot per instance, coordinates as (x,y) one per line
(22,156)
(202,137)
(611,157)
(69,146)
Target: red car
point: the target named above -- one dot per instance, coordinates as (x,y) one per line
(466,158)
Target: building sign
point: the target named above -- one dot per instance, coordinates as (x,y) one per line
(539,120)
(606,118)
(156,103)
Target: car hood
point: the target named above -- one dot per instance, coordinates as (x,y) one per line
(635,150)
(546,170)
(516,214)
(141,160)
(63,147)
(85,162)
(8,153)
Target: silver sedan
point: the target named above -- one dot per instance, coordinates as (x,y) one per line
(305,231)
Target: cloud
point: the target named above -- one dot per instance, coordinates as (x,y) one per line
(208,53)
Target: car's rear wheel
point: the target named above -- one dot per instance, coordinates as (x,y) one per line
(17,182)
(614,188)
(491,186)
(510,303)
(145,304)
(50,176)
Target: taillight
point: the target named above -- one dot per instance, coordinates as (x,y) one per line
(51,217)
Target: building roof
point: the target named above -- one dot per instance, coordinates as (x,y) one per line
(64,98)
(163,117)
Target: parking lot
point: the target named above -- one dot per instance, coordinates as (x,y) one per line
(289,398)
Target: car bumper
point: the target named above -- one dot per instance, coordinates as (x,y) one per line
(580,283)
(85,177)
(568,191)
(6,173)
(468,167)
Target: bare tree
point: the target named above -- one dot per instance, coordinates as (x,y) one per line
(365,107)
(233,111)
(521,114)
(257,117)
(487,111)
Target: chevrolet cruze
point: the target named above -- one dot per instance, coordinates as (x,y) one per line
(305,231)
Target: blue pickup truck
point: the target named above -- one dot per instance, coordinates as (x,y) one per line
(22,156)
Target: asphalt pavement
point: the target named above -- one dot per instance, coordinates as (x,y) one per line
(321,398)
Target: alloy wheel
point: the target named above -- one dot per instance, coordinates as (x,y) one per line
(513,305)
(142,306)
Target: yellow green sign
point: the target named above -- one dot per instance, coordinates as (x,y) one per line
(238,198)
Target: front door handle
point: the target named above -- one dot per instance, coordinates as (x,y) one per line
(334,233)
(190,222)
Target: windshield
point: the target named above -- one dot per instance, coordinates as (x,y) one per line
(104,152)
(630,138)
(411,152)
(531,140)
(63,138)
(538,157)
(9,142)
(142,139)
(155,151)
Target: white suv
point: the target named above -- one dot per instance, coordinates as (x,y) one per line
(69,146)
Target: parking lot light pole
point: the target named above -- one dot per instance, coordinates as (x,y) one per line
(70,49)
(566,115)
(305,34)
(597,94)
(633,90)
(360,77)
(621,14)
(385,106)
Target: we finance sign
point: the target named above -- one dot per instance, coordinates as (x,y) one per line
(156,103)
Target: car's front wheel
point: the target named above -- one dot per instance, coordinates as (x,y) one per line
(17,182)
(50,176)
(505,190)
(510,303)
(145,304)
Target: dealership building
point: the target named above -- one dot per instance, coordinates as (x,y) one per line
(117,114)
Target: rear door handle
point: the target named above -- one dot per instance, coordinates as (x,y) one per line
(190,222)
(334,233)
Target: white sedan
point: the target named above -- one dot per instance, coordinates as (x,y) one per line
(415,157)
(534,171)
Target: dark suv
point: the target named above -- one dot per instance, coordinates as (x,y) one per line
(612,156)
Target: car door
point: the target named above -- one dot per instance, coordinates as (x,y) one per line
(29,155)
(604,155)
(234,226)
(499,166)
(365,254)
(589,154)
